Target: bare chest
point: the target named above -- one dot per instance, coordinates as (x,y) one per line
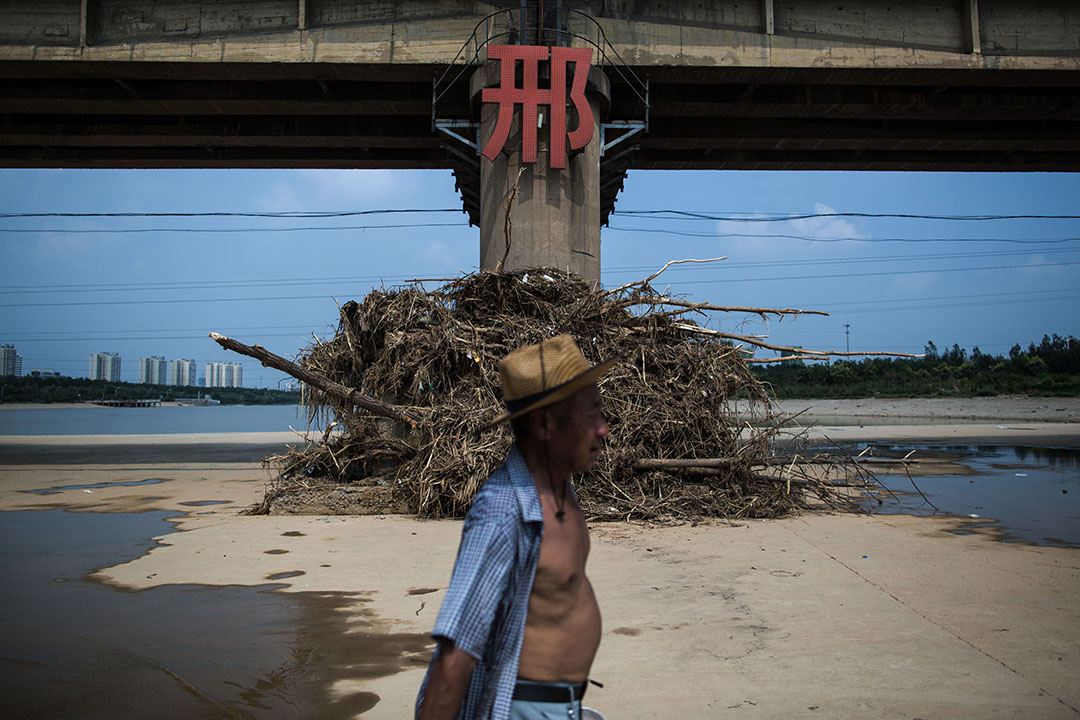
(564,548)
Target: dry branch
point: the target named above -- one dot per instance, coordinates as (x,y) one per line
(345,395)
(663,300)
(785,358)
(783,348)
(646,281)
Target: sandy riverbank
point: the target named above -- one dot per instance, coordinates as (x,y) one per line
(814,616)
(987,410)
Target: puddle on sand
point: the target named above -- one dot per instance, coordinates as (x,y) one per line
(77,648)
(1021,494)
(95,486)
(202,503)
(285,575)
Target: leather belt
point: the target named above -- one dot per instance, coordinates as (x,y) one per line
(549,692)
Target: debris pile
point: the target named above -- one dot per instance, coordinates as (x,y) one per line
(412,378)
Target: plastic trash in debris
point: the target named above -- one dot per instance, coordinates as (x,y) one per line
(972,515)
(1003,427)
(88,492)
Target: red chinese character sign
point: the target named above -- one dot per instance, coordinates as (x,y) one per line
(530,96)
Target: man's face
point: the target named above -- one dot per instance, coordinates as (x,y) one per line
(578,430)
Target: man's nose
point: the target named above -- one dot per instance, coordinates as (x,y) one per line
(604,428)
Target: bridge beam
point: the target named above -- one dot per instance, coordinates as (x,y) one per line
(969,10)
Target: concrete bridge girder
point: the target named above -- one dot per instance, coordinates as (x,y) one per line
(225,66)
(803,84)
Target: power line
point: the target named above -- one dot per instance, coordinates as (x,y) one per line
(615,228)
(168,302)
(866,274)
(205,284)
(284,282)
(140,334)
(209,285)
(1011,301)
(843,261)
(284,214)
(159,329)
(702,234)
(783,217)
(733,216)
(680,282)
(216,231)
(202,336)
(946,297)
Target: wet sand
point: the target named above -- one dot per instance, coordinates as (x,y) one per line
(820,615)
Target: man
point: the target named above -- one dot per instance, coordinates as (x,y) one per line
(519,625)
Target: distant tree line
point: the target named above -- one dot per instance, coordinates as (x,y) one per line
(1050,368)
(75,390)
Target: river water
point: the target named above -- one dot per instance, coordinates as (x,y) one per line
(73,648)
(1021,494)
(94,420)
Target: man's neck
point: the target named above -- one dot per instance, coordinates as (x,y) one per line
(547,479)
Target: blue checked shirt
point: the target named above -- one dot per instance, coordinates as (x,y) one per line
(484,610)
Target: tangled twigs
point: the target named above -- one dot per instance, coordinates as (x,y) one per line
(693,432)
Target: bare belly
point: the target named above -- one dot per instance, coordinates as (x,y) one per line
(562,634)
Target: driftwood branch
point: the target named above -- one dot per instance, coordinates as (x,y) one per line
(656,274)
(718,308)
(347,396)
(721,463)
(507,224)
(765,361)
(697,330)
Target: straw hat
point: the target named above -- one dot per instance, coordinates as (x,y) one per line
(538,375)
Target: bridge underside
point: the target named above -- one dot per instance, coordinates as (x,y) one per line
(336,115)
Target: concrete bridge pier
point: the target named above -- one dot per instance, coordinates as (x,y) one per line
(551,216)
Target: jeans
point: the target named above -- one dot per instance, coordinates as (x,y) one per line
(531,710)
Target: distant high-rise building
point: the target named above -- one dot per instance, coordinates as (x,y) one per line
(224,374)
(183,372)
(104,366)
(46,373)
(10,361)
(153,370)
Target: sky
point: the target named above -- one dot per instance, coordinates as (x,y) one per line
(73,286)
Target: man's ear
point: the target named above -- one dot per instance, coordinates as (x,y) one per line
(540,423)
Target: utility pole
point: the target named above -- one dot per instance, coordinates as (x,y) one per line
(847,335)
